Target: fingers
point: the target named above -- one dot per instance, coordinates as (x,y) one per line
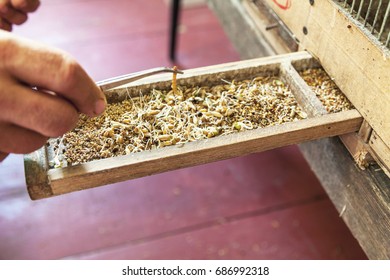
(26,6)
(5,25)
(56,71)
(27,116)
(45,113)
(10,14)
(19,140)
(3,156)
(15,12)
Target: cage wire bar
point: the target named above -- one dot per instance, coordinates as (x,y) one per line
(373,14)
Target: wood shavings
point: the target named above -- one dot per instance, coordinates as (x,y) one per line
(326,90)
(163,118)
(361,159)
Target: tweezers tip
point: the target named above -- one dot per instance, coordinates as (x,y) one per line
(175,70)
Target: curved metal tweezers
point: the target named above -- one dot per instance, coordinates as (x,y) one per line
(125,79)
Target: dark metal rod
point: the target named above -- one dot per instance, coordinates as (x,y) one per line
(175,13)
(272,26)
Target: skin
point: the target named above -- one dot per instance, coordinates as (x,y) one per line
(42,89)
(15,12)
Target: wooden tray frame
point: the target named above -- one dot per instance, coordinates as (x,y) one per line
(43,182)
(356,60)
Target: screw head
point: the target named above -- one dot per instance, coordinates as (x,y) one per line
(305,31)
(311,2)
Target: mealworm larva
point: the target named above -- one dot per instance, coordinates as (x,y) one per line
(174,85)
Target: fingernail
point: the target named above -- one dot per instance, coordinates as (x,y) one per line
(100,106)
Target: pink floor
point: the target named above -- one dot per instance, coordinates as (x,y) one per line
(263,206)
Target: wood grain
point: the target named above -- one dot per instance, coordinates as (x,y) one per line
(348,54)
(380,151)
(106,171)
(244,32)
(355,144)
(270,28)
(364,195)
(36,167)
(303,93)
(111,170)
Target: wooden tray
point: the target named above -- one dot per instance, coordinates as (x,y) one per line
(43,181)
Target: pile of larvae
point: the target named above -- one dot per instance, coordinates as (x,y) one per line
(163,118)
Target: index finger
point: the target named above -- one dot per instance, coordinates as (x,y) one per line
(26,6)
(54,70)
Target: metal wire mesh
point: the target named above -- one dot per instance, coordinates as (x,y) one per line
(373,14)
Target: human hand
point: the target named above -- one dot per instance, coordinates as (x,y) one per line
(15,12)
(62,89)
